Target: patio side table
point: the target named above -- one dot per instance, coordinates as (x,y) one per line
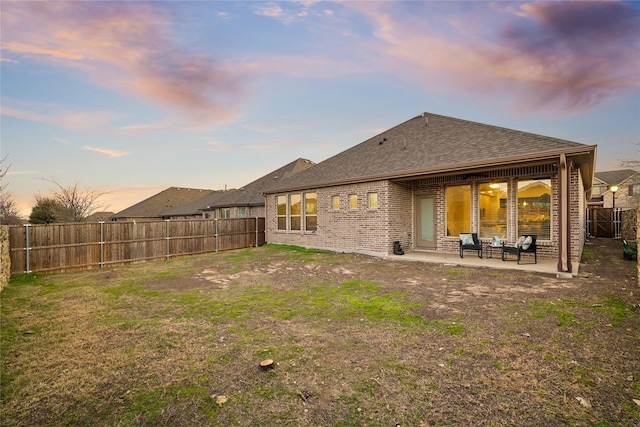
(490,248)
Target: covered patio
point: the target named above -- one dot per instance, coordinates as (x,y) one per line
(544,266)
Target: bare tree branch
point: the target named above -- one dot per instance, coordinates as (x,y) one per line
(9,213)
(80,202)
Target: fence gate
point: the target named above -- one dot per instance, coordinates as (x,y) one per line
(601,222)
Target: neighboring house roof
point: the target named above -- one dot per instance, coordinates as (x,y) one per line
(252,194)
(249,195)
(98,216)
(431,143)
(615,177)
(195,207)
(155,205)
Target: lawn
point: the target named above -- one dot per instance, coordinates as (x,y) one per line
(355,341)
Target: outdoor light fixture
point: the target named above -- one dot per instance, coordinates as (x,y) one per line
(614,189)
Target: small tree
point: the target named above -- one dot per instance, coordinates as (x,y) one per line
(79,202)
(9,214)
(49,211)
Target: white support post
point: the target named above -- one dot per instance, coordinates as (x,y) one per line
(167,238)
(27,248)
(216,233)
(101,244)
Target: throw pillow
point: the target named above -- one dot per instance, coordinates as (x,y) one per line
(526,243)
(519,242)
(466,239)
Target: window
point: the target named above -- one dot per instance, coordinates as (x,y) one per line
(534,208)
(335,202)
(492,205)
(225,213)
(630,190)
(353,201)
(295,203)
(310,211)
(458,207)
(372,199)
(282,212)
(242,212)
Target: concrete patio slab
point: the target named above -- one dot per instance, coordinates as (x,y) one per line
(545,266)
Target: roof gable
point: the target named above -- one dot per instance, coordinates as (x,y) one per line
(428,143)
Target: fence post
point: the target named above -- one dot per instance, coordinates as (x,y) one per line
(101,244)
(167,238)
(26,244)
(216,232)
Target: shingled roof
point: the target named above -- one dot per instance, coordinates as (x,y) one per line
(615,177)
(195,207)
(252,194)
(155,205)
(431,143)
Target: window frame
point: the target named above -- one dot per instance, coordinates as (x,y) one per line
(313,214)
(297,216)
(335,206)
(370,205)
(353,198)
(447,207)
(503,188)
(280,216)
(519,230)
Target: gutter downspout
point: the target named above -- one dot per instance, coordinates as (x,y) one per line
(564,207)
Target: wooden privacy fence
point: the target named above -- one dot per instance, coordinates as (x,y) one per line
(603,222)
(81,246)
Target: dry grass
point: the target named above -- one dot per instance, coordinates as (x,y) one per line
(356,340)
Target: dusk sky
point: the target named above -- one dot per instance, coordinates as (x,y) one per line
(133,97)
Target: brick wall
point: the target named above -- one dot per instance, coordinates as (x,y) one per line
(251,212)
(400,212)
(629,224)
(623,199)
(5,260)
(353,230)
(374,230)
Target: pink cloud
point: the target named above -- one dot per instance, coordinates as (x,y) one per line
(106,151)
(127,46)
(70,120)
(40,50)
(555,57)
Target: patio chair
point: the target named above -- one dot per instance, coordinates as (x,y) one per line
(470,242)
(525,245)
(630,249)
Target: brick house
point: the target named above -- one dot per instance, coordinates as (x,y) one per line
(425,181)
(243,202)
(248,201)
(627,195)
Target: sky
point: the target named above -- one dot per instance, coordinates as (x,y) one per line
(130,98)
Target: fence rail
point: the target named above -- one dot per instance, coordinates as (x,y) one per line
(82,246)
